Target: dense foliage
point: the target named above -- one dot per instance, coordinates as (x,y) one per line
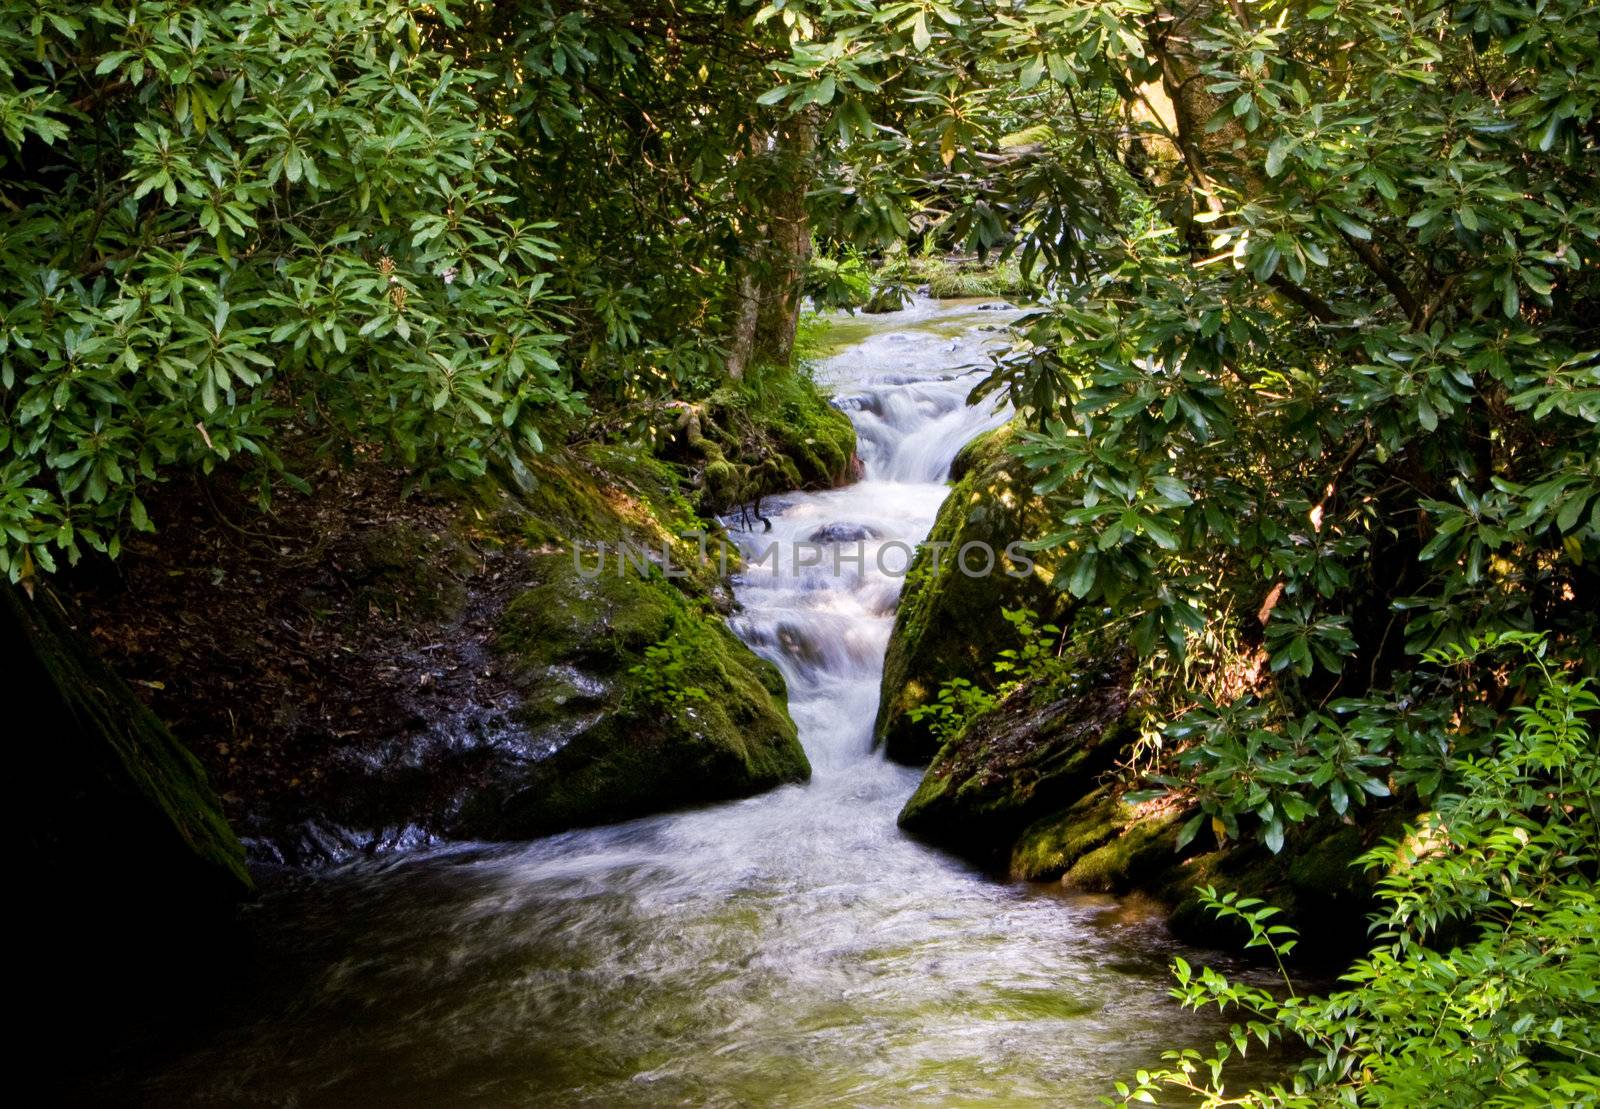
(234,229)
(225,217)
(1313,393)
(639,135)
(1318,384)
(1484,985)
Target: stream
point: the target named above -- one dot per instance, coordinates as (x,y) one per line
(793,949)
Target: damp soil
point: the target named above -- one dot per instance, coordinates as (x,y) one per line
(327,661)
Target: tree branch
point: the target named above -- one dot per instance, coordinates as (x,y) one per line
(1374,261)
(1317,308)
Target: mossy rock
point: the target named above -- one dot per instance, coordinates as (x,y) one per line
(622,497)
(597,492)
(586,726)
(569,616)
(1032,754)
(115,748)
(611,731)
(773,432)
(949,624)
(1102,844)
(1138,857)
(1048,847)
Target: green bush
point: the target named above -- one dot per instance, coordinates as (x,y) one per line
(1036,658)
(225,218)
(1483,985)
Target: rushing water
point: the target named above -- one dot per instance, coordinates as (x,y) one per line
(793,949)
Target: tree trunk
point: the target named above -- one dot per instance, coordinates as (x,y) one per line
(773,266)
(789,237)
(745,319)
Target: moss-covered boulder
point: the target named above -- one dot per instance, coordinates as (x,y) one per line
(1034,753)
(635,698)
(949,623)
(1050,845)
(1101,843)
(770,433)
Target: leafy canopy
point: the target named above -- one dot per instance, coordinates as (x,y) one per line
(235,230)
(1318,384)
(227,217)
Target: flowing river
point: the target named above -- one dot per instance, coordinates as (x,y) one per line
(793,949)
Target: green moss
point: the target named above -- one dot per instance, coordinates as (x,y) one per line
(567,616)
(948,625)
(608,495)
(1048,847)
(722,482)
(1028,755)
(961,278)
(597,493)
(770,433)
(1142,851)
(614,749)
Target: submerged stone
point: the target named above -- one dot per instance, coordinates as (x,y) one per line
(844,533)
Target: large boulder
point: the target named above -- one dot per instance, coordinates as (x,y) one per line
(1102,844)
(634,699)
(949,623)
(1035,753)
(380,672)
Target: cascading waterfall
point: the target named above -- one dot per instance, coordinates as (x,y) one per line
(791,949)
(820,603)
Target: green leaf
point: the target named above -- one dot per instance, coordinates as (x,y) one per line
(1083,575)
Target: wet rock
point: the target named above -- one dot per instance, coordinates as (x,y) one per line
(1035,753)
(844,533)
(949,623)
(1026,788)
(671,710)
